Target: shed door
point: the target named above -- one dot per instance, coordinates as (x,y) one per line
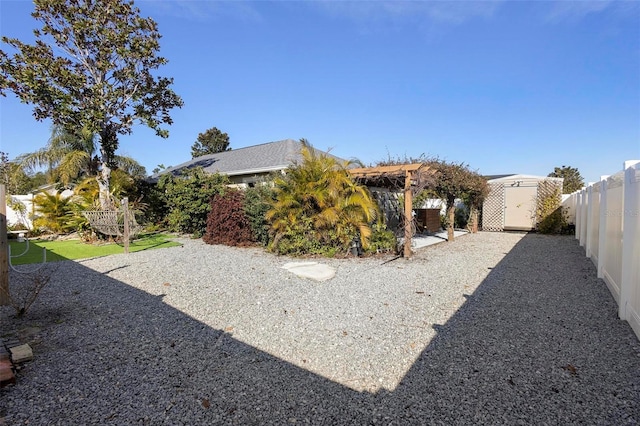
(520,207)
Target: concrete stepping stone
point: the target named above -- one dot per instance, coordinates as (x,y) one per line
(22,353)
(311,270)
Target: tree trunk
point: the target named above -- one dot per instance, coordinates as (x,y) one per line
(103,186)
(451,212)
(108,145)
(474,220)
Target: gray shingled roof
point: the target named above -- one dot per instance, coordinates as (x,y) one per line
(254,159)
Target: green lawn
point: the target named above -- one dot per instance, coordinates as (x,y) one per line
(75,249)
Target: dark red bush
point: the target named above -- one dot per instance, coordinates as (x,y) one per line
(227,222)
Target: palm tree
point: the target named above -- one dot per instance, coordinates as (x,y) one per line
(67,156)
(317,199)
(54,211)
(72,157)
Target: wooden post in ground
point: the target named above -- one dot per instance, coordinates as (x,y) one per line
(408,214)
(4,251)
(125,210)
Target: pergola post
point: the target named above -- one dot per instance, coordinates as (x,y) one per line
(391,177)
(408,214)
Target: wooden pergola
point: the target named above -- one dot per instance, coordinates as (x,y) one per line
(402,176)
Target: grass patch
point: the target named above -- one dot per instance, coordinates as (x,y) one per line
(76,249)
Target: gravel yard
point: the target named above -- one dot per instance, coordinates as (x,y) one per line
(494,328)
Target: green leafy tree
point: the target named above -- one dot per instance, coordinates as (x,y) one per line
(474,194)
(318,207)
(572,179)
(4,168)
(102,82)
(187,198)
(452,181)
(210,142)
(15,178)
(158,168)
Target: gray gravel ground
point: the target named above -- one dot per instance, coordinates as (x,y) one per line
(494,328)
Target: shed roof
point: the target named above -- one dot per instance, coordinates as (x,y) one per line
(508,178)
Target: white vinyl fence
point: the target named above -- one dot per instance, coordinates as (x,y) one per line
(607,219)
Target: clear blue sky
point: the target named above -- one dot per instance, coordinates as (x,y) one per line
(506,87)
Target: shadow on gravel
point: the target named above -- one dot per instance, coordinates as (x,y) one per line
(538,342)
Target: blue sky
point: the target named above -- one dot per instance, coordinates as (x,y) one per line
(506,87)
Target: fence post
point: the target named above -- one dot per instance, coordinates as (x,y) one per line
(578,210)
(589,236)
(125,211)
(584,225)
(630,246)
(602,226)
(4,251)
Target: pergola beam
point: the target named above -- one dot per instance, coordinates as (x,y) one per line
(395,174)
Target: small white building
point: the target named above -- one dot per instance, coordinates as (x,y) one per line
(512,201)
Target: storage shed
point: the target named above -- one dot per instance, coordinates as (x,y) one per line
(512,201)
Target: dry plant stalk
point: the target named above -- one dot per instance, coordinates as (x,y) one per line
(25,287)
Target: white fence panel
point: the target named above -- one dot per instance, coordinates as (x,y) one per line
(612,265)
(593,220)
(630,293)
(584,210)
(607,219)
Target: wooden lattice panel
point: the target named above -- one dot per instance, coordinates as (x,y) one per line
(493,209)
(548,188)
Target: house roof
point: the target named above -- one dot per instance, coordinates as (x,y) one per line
(256,159)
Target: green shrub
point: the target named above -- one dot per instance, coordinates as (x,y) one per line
(461,217)
(187,198)
(382,240)
(257,201)
(298,239)
(318,200)
(550,217)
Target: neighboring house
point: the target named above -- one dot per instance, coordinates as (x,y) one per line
(512,201)
(246,166)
